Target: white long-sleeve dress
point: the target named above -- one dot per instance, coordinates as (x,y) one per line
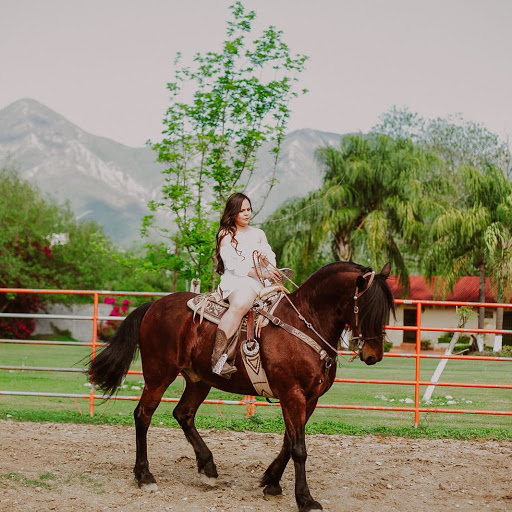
(238,261)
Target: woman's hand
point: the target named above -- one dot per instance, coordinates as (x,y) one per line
(272,274)
(262,259)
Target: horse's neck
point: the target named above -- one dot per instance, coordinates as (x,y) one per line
(319,309)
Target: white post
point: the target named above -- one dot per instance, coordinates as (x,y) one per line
(440,367)
(463,314)
(498,343)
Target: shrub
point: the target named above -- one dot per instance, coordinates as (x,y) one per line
(506,351)
(107,328)
(461,347)
(19,328)
(448,337)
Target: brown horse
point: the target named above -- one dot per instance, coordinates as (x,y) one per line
(172,341)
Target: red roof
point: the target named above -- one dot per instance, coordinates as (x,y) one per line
(466,289)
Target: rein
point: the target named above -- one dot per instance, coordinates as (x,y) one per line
(299,334)
(309,341)
(302,336)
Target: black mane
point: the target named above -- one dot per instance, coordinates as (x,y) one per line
(375,305)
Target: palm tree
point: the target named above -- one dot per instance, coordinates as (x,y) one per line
(474,233)
(372,206)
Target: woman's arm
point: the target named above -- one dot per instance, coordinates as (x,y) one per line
(267,259)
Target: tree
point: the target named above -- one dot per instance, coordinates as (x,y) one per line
(240,99)
(474,233)
(372,207)
(43,246)
(456,141)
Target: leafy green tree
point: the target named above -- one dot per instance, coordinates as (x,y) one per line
(473,235)
(372,207)
(239,99)
(455,140)
(43,246)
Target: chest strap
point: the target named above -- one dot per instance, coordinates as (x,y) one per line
(298,334)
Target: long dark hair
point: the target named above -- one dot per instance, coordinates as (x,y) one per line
(228,225)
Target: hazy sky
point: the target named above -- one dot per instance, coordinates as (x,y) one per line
(103,64)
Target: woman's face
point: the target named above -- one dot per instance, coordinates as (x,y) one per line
(244,215)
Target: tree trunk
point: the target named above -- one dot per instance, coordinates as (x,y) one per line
(343,248)
(481,311)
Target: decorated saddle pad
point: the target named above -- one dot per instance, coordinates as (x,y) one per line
(211,305)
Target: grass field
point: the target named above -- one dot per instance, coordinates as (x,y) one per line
(268,418)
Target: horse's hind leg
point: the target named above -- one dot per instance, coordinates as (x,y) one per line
(143,413)
(185,412)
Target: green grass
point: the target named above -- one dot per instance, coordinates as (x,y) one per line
(267,418)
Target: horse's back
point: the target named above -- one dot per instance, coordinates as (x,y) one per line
(169,332)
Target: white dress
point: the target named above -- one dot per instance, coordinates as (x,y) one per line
(238,262)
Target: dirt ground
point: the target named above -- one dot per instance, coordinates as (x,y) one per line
(89,468)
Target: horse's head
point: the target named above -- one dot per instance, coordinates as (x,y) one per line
(373,303)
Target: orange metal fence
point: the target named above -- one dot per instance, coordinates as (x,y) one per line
(249,401)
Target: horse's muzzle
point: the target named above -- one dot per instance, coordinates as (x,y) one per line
(369,359)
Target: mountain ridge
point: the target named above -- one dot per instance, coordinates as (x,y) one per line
(91,171)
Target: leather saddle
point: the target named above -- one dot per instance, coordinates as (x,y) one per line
(212,307)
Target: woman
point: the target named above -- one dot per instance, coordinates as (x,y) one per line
(240,272)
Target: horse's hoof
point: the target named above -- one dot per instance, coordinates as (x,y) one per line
(272,490)
(152,487)
(314,505)
(209,481)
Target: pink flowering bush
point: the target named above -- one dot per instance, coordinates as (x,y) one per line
(19,328)
(107,328)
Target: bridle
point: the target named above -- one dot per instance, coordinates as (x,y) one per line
(323,354)
(360,339)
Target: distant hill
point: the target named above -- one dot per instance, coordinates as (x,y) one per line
(111,183)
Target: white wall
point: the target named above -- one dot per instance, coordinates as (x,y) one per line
(438,316)
(81,330)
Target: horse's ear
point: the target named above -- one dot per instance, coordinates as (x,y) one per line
(386,269)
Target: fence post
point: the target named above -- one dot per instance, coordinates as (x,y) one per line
(418,369)
(94,345)
(250,407)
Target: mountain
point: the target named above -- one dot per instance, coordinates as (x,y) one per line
(111,183)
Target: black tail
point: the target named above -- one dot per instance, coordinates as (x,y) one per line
(108,368)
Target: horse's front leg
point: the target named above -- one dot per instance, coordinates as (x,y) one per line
(296,413)
(272,476)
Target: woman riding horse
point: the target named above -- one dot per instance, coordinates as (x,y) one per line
(240,248)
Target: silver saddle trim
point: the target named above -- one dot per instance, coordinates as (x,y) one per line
(211,306)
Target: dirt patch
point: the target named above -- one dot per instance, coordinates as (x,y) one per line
(89,468)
